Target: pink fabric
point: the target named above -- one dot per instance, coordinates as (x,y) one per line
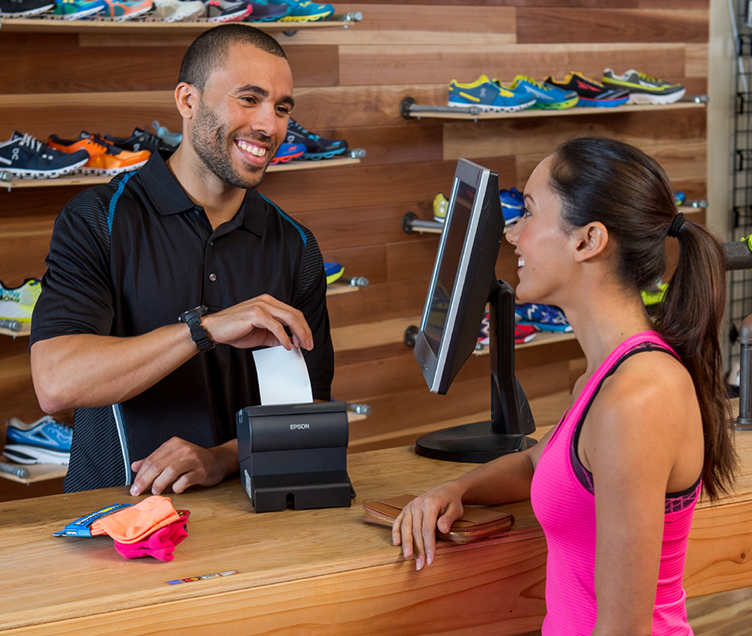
(566,512)
(160,544)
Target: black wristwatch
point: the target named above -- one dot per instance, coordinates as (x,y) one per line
(192,318)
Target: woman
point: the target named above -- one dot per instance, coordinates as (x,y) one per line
(614,485)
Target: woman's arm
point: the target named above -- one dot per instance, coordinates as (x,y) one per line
(499,481)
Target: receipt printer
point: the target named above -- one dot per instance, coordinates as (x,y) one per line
(294,453)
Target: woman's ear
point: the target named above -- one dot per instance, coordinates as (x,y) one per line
(186,99)
(591,240)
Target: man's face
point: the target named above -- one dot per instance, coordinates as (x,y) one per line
(242,114)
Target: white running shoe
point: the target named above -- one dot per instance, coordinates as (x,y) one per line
(178,10)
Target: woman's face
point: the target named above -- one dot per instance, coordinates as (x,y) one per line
(542,245)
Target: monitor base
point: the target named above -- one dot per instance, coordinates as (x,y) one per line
(474,443)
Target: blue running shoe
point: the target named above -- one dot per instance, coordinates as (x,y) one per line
(77,9)
(679,198)
(547,97)
(316,147)
(46,432)
(304,10)
(542,317)
(287,152)
(333,271)
(488,96)
(590,92)
(512,205)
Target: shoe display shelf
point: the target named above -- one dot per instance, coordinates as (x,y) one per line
(409,109)
(541,338)
(58,24)
(7,181)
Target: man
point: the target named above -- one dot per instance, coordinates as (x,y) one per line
(128,260)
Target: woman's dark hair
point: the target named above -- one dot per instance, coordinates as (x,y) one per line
(621,187)
(209,49)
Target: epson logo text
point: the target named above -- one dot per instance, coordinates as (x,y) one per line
(297,427)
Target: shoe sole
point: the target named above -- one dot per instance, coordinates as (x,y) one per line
(42,174)
(110,172)
(542,326)
(570,103)
(492,109)
(81,14)
(277,160)
(648,98)
(602,103)
(318,156)
(29,13)
(306,18)
(176,17)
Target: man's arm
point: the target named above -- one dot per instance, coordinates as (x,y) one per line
(86,370)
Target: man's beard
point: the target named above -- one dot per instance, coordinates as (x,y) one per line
(209,140)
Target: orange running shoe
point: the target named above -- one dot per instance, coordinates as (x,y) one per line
(104,157)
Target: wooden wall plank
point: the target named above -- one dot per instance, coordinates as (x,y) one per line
(552,25)
(35,69)
(495,138)
(697,61)
(388,65)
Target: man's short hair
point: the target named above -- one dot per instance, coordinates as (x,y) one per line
(209,50)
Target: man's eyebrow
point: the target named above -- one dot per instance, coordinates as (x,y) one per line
(262,92)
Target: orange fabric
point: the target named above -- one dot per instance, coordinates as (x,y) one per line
(136,523)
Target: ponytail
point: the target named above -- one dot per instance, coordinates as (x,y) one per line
(689,319)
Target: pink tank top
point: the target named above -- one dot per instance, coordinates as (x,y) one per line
(565,508)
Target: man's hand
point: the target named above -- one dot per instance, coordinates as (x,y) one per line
(181,464)
(259,322)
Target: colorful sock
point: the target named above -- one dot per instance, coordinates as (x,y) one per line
(160,545)
(136,523)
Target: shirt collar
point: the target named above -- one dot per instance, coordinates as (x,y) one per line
(169,197)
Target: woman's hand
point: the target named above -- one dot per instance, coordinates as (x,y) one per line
(415,527)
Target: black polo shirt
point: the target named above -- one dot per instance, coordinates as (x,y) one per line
(129,257)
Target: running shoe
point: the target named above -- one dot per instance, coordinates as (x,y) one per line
(46,432)
(264,11)
(654,295)
(489,96)
(142,139)
(170,138)
(304,11)
(226,11)
(316,147)
(178,10)
(512,205)
(25,156)
(440,207)
(333,271)
(546,97)
(24,8)
(104,157)
(679,198)
(27,454)
(644,89)
(122,10)
(287,152)
(77,9)
(524,333)
(542,317)
(17,306)
(590,92)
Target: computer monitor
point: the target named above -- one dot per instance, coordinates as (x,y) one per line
(463,281)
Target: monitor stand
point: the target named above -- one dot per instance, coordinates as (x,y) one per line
(511,418)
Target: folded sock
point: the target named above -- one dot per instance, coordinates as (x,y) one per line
(136,523)
(160,544)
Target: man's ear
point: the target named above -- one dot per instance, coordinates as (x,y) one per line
(591,240)
(186,99)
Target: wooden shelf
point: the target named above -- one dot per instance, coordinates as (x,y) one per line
(51,24)
(86,181)
(410,110)
(541,338)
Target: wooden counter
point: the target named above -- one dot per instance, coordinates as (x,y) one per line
(310,572)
